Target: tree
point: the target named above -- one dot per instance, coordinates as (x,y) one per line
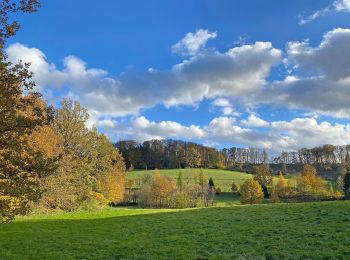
(262,174)
(21,112)
(179,181)
(193,158)
(211,183)
(234,189)
(308,180)
(346,188)
(89,163)
(281,185)
(251,192)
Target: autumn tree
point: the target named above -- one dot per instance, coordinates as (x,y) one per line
(308,179)
(88,163)
(251,192)
(22,112)
(193,158)
(281,185)
(262,174)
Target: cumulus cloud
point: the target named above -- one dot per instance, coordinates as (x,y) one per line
(192,43)
(225,107)
(278,135)
(239,72)
(320,81)
(254,121)
(337,6)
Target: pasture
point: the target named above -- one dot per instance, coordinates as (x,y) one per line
(268,231)
(222,178)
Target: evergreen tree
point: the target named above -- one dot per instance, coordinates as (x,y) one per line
(211,183)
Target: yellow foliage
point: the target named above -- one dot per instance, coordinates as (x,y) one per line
(114,186)
(281,186)
(308,180)
(251,192)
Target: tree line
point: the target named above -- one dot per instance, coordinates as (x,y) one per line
(326,154)
(170,154)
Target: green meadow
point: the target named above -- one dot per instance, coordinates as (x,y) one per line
(267,231)
(222,178)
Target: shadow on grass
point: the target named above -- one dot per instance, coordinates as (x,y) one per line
(310,230)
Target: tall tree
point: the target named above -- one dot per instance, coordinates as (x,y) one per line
(21,113)
(262,174)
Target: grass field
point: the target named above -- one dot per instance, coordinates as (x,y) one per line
(269,231)
(222,178)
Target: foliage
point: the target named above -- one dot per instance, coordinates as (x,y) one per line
(308,180)
(281,186)
(251,192)
(234,189)
(193,158)
(22,112)
(274,198)
(346,183)
(262,174)
(211,183)
(88,162)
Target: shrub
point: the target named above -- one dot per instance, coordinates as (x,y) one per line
(251,192)
(217,190)
(274,198)
(234,189)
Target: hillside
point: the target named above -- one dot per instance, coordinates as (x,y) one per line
(280,231)
(222,178)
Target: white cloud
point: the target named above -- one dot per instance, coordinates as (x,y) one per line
(278,135)
(192,43)
(320,80)
(254,121)
(337,6)
(239,73)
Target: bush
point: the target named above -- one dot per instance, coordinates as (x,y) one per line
(217,191)
(234,189)
(274,197)
(251,192)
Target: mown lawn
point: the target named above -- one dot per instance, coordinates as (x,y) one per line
(269,231)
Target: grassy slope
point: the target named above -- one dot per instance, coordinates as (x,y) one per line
(222,178)
(310,230)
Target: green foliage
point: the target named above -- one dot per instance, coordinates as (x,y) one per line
(346,182)
(234,189)
(211,183)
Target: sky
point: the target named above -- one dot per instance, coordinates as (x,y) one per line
(267,74)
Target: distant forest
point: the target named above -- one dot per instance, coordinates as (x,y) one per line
(167,154)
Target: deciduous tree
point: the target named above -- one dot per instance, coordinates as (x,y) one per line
(251,192)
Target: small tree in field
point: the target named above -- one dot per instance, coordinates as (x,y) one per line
(234,189)
(211,183)
(251,192)
(281,185)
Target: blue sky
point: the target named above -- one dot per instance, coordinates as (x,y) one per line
(269,74)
